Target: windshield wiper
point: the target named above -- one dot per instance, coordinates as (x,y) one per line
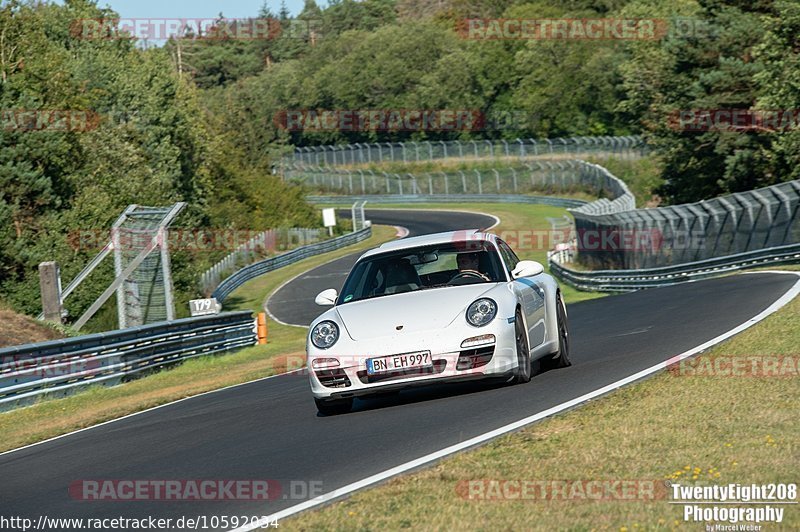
(433,286)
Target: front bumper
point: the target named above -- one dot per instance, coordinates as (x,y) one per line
(451,362)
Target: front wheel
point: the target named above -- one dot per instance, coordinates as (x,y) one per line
(523,373)
(561,358)
(333,407)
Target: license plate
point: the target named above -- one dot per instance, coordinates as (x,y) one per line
(419,359)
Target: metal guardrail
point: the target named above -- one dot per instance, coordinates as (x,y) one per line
(442,198)
(273,263)
(59,367)
(629,280)
(248,252)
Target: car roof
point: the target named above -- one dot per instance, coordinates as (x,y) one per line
(446,237)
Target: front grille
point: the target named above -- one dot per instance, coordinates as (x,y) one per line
(438,367)
(475,358)
(333,378)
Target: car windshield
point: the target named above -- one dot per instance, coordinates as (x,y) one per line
(408,270)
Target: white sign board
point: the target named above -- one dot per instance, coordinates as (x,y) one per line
(201,307)
(329,217)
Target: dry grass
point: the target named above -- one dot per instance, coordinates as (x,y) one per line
(20,329)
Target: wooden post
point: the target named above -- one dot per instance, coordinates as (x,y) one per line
(50,287)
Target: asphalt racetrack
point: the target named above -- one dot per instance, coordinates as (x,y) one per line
(270,429)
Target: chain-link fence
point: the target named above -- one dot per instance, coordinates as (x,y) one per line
(467,150)
(556,177)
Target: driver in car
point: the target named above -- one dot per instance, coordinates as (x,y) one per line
(469,263)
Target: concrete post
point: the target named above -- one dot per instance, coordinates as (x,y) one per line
(50,287)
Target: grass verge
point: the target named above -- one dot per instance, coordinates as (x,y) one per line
(683,428)
(642,175)
(52,417)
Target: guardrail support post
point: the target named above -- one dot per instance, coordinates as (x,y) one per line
(261,328)
(50,286)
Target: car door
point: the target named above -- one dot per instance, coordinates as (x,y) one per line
(529,294)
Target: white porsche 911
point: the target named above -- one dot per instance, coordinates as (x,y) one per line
(436,308)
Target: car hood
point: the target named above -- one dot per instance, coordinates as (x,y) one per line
(423,310)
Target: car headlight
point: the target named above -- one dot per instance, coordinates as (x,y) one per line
(481,312)
(324,334)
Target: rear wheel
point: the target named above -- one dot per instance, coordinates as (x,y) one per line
(523,373)
(561,358)
(332,407)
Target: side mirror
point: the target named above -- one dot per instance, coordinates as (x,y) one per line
(326,298)
(527,268)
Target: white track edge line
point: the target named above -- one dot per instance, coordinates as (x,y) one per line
(472,442)
(145,411)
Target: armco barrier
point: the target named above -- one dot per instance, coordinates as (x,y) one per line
(442,198)
(273,263)
(628,280)
(59,367)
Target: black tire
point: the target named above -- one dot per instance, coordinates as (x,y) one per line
(561,358)
(523,371)
(333,407)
